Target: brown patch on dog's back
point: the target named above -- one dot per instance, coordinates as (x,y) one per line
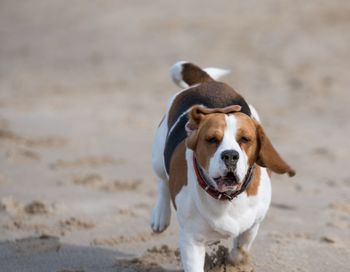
(178,171)
(210,94)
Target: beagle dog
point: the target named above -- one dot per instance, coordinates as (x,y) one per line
(214,162)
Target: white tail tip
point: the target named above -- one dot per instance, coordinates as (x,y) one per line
(216,73)
(176,74)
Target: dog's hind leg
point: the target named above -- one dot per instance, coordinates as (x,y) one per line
(160,217)
(242,245)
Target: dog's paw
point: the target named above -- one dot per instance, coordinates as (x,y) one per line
(160,218)
(239,257)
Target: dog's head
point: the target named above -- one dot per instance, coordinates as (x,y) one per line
(227,142)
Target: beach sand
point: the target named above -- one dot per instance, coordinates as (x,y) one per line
(84,84)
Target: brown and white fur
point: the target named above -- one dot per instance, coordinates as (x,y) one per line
(217,120)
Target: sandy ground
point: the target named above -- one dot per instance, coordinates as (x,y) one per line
(83,85)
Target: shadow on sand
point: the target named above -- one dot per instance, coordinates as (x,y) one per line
(47,253)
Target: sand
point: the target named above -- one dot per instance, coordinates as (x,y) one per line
(84,84)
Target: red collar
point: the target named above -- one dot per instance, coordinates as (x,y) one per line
(214,193)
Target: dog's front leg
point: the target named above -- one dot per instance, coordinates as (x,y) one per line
(161,213)
(242,245)
(192,252)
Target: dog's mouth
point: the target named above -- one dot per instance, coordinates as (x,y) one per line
(229,182)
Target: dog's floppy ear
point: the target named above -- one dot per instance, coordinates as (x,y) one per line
(198,112)
(268,156)
(194,118)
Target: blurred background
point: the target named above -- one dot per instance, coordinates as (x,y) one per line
(84,84)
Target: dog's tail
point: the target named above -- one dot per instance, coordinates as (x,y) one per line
(185,74)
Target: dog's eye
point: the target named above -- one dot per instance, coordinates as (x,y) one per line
(212,140)
(244,140)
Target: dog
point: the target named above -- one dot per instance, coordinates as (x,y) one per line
(214,163)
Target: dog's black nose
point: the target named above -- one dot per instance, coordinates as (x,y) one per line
(230,158)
